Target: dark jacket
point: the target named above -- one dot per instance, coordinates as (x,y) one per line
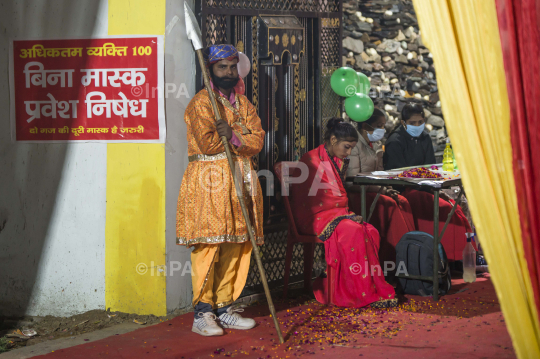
(403,150)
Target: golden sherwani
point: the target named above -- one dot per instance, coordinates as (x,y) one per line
(209,212)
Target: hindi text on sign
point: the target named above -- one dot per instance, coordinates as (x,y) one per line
(89,89)
(41,51)
(42,77)
(133,77)
(97,104)
(107,49)
(49,108)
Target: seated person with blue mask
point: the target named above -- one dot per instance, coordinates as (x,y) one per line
(409,145)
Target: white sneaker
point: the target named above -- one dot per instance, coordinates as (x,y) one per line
(206,325)
(231,319)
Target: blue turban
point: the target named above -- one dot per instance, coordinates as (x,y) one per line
(215,53)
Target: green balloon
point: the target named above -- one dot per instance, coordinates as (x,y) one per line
(359,107)
(365,85)
(344,82)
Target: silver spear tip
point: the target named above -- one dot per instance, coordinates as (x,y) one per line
(192,28)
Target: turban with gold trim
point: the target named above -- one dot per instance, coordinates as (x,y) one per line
(215,53)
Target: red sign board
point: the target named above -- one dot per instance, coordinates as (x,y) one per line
(88,90)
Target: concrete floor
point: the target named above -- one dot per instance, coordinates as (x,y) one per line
(53,345)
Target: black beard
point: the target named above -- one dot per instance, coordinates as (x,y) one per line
(225,83)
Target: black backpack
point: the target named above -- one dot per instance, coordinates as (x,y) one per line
(414,252)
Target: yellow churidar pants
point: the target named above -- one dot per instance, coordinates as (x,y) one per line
(219,272)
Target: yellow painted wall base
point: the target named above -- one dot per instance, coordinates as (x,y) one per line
(135,223)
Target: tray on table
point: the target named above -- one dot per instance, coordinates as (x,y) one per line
(390,178)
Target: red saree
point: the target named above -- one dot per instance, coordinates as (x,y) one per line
(391,218)
(320,206)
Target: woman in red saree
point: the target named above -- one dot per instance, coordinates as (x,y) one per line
(320,206)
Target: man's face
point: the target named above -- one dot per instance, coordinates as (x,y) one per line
(225,73)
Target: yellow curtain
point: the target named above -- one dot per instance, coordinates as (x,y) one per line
(463,36)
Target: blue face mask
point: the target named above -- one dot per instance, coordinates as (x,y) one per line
(415,131)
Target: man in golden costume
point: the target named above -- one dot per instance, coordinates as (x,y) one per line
(209,217)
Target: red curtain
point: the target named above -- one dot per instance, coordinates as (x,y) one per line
(519,22)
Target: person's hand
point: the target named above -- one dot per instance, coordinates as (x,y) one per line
(224,129)
(392,193)
(444,196)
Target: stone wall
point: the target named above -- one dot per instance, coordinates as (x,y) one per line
(381,38)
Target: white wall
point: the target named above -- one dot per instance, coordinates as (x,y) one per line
(52,196)
(180,71)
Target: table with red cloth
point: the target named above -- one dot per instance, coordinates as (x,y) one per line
(366,179)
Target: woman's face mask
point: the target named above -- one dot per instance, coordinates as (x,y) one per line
(415,131)
(377,135)
(378,131)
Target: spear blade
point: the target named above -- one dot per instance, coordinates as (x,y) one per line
(192,28)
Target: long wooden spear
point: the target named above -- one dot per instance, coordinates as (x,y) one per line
(194,34)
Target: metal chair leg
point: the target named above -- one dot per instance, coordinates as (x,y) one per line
(436,241)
